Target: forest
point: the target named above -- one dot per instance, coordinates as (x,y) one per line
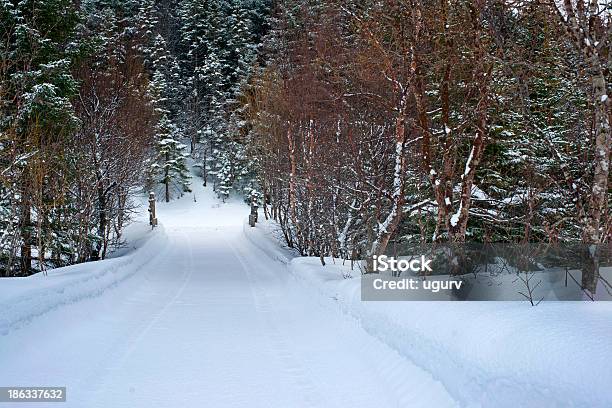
(354,124)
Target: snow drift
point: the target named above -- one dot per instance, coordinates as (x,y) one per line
(486,354)
(23,299)
(502,354)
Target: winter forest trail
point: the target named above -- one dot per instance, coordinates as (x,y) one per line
(210,320)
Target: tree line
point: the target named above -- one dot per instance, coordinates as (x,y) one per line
(408,121)
(356,124)
(102,98)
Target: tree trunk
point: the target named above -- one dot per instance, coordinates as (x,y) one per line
(204,170)
(167,178)
(102,222)
(292,176)
(386,230)
(599,190)
(25,262)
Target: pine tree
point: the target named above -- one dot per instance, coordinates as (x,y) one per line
(170,166)
(37,118)
(166,80)
(220,42)
(147,24)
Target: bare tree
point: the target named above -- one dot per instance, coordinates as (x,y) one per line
(588,26)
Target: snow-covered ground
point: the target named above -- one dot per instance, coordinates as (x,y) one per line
(197,316)
(207,312)
(486,354)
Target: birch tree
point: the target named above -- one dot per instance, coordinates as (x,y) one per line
(588,26)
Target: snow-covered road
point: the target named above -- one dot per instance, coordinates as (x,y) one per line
(209,320)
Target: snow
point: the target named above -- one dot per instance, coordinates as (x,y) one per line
(198,316)
(454,219)
(487,354)
(23,299)
(478,194)
(469,162)
(205,311)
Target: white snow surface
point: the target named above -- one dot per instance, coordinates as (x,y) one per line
(198,316)
(487,354)
(205,311)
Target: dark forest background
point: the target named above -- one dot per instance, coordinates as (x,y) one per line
(355,124)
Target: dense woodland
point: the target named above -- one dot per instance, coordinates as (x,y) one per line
(101,99)
(354,124)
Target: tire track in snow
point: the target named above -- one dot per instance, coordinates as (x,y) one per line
(186,277)
(124,348)
(299,374)
(407,384)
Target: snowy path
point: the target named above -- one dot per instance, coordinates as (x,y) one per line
(211,321)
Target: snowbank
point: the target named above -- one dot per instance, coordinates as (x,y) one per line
(508,354)
(23,299)
(267,237)
(486,354)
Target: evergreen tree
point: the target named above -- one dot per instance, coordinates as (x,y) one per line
(170,166)
(166,80)
(220,41)
(36,86)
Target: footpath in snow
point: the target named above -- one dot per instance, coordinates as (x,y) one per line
(207,312)
(197,316)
